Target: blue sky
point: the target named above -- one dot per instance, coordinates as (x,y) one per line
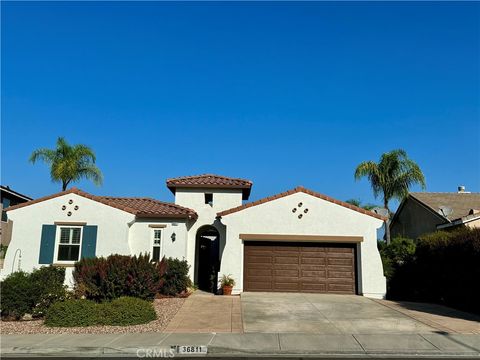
(284,94)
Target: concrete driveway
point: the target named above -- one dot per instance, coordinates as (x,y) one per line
(324,314)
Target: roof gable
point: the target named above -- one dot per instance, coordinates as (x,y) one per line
(303,190)
(140,207)
(460,203)
(211,181)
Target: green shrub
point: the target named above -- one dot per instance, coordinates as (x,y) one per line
(47,288)
(127,311)
(445,269)
(119,312)
(103,279)
(16,295)
(176,280)
(32,293)
(399,251)
(78,312)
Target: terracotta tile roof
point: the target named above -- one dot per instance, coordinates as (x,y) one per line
(210,181)
(460,203)
(306,191)
(141,207)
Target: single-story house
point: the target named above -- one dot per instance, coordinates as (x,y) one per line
(296,241)
(425,212)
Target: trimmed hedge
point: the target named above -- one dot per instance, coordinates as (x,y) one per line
(81,312)
(78,312)
(103,279)
(128,311)
(445,269)
(32,293)
(176,280)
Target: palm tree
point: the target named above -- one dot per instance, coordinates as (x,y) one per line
(391,178)
(69,163)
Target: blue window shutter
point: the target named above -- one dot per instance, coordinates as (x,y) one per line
(89,241)
(47,244)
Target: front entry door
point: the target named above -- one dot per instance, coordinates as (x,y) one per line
(208,261)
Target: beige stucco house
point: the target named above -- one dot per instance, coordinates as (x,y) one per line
(425,212)
(296,241)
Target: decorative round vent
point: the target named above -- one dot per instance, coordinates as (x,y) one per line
(69,213)
(70,201)
(76,207)
(64,207)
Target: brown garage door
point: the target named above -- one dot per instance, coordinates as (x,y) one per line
(299,267)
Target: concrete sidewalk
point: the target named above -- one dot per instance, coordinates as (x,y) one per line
(248,344)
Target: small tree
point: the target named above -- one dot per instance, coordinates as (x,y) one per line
(391,178)
(69,163)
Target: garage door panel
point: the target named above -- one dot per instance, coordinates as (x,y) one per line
(292,272)
(313,267)
(286,260)
(313,274)
(313,261)
(305,267)
(341,262)
(340,249)
(313,287)
(260,259)
(259,272)
(333,274)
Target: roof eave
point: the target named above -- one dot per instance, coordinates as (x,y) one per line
(166,216)
(17,194)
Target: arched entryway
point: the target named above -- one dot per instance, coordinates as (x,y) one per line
(207,258)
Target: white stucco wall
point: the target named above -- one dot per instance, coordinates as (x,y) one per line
(223,199)
(141,237)
(323,218)
(112,235)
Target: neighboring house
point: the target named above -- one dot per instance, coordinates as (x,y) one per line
(8,197)
(422,213)
(297,241)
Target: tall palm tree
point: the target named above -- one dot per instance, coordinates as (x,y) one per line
(69,163)
(391,178)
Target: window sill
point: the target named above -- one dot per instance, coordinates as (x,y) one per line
(64,264)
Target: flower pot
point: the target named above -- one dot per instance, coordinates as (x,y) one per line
(227,290)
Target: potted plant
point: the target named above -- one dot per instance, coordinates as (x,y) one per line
(227,284)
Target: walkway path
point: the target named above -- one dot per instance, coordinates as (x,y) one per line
(204,312)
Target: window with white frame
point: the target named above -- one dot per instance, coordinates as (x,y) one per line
(157,242)
(69,243)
